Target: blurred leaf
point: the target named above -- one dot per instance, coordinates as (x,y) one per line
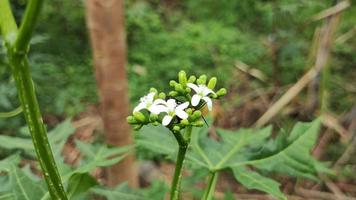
(157,190)
(253,180)
(80,183)
(99,155)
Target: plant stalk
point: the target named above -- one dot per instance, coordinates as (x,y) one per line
(210,189)
(17,46)
(183,143)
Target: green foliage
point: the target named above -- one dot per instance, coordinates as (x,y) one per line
(237,150)
(21,183)
(156,191)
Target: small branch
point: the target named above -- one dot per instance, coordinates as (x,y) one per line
(210,187)
(27,25)
(8,27)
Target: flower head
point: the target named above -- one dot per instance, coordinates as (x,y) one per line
(173,109)
(202,92)
(148,102)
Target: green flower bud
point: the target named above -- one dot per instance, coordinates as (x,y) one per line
(153,90)
(192,79)
(214,96)
(162,95)
(188,90)
(198,123)
(173,93)
(131,120)
(178,87)
(212,83)
(182,78)
(172,83)
(221,92)
(176,128)
(156,123)
(139,117)
(189,111)
(184,122)
(153,117)
(202,80)
(137,127)
(196,115)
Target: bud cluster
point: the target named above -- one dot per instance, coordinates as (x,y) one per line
(180,107)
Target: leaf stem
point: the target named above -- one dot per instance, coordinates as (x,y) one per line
(16,53)
(183,143)
(210,189)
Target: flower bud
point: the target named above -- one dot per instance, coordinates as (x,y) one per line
(172,83)
(212,83)
(131,120)
(156,123)
(184,122)
(139,117)
(202,80)
(221,92)
(198,123)
(176,128)
(173,93)
(189,111)
(188,90)
(192,79)
(153,90)
(196,115)
(153,117)
(182,78)
(162,95)
(178,87)
(137,127)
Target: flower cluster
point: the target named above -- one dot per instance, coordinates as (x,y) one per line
(181,107)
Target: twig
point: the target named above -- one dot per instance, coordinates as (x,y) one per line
(332,10)
(251,71)
(321,60)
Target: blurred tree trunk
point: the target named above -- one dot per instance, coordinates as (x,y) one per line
(105,20)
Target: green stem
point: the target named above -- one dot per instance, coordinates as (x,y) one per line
(210,189)
(16,53)
(183,146)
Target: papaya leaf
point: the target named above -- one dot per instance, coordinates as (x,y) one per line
(253,180)
(79,184)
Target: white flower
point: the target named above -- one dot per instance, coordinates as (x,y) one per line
(173,109)
(202,92)
(146,102)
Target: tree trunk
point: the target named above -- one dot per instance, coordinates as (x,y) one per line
(105,20)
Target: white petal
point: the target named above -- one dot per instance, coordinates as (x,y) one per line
(156,109)
(209,103)
(171,104)
(139,107)
(150,96)
(207,91)
(160,101)
(182,106)
(181,114)
(166,120)
(195,100)
(194,87)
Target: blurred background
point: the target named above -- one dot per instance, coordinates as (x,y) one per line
(257,49)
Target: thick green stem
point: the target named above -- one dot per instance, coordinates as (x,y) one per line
(16,44)
(210,188)
(183,146)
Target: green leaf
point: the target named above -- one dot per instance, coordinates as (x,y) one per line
(99,155)
(23,187)
(295,159)
(157,190)
(253,180)
(157,139)
(80,183)
(217,155)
